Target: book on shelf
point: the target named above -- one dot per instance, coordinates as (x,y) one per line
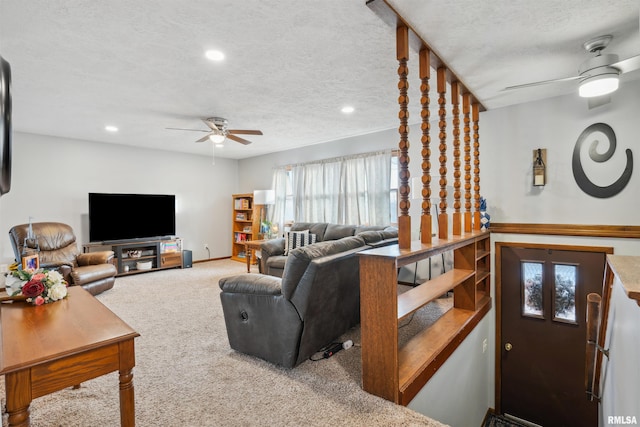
(241,237)
(242,204)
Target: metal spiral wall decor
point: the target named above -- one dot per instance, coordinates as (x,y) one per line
(578,172)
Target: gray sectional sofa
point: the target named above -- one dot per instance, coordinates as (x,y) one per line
(287,319)
(273,258)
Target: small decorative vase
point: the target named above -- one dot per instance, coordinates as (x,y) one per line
(484,216)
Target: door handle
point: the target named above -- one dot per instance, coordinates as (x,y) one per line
(508,346)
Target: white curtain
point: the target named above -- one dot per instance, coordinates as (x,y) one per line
(346,190)
(281,187)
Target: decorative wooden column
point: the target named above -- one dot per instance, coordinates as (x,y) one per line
(443,220)
(475,111)
(466,108)
(404,220)
(455,102)
(425,217)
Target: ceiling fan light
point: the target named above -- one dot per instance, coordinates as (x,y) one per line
(599,85)
(217,138)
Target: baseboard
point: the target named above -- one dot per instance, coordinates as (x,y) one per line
(211,259)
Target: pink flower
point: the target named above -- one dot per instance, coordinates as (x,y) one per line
(38,277)
(39,300)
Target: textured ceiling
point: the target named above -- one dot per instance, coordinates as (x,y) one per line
(289,69)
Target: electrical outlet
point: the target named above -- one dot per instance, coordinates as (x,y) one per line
(484,345)
(206,246)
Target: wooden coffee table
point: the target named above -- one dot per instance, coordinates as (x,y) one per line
(62,344)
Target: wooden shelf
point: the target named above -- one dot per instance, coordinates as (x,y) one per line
(421,357)
(398,374)
(482,253)
(154,248)
(415,298)
(481,275)
(243,203)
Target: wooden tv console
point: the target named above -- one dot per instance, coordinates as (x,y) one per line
(162,253)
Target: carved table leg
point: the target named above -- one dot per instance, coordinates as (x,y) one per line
(127,401)
(18,394)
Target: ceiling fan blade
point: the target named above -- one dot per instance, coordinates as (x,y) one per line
(544,82)
(627,65)
(246,132)
(191,130)
(203,139)
(238,139)
(211,124)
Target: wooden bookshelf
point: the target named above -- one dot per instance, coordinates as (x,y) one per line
(397,373)
(246,224)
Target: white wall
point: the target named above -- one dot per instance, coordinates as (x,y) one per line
(509,135)
(620,375)
(52,177)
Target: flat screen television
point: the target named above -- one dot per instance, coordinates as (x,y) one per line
(117,217)
(5,126)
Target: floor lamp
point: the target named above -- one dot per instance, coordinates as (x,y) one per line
(264,198)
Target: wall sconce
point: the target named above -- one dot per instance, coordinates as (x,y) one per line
(539,167)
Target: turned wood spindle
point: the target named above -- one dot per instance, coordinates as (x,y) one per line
(455,101)
(475,112)
(466,107)
(425,218)
(443,221)
(404,220)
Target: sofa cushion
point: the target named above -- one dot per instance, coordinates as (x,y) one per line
(299,259)
(297,239)
(317,228)
(371,237)
(363,228)
(275,265)
(337,231)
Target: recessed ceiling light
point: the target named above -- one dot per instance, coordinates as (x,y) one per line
(348,109)
(214,55)
(111,129)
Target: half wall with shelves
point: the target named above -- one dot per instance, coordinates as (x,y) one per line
(395,372)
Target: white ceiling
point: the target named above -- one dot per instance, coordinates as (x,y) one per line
(290,66)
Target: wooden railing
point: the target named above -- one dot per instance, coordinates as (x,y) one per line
(613,231)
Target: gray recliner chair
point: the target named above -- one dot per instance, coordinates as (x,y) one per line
(286,320)
(57,249)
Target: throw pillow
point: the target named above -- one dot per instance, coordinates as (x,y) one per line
(297,239)
(286,239)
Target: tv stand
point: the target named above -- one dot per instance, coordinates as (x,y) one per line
(161,252)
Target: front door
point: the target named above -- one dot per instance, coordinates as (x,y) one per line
(543,333)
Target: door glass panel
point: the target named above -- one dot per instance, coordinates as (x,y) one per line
(564,293)
(532,289)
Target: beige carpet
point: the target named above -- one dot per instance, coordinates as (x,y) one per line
(187,375)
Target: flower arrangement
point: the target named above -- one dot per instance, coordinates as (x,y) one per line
(38,286)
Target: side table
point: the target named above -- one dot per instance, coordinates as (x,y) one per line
(250,245)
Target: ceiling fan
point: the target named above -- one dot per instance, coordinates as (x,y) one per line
(598,75)
(218,131)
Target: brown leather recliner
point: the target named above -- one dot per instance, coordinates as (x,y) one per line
(58,250)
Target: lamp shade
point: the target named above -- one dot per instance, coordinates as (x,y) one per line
(599,85)
(264,197)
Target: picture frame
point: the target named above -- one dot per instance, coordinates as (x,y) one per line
(241,216)
(31,262)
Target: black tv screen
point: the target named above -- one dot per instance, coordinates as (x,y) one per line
(116,217)
(5,126)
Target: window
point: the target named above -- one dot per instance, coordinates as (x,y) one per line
(346,190)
